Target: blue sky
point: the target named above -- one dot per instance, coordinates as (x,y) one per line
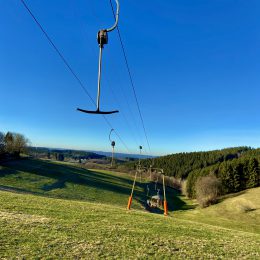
(195,66)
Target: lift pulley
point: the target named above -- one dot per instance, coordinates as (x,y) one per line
(102,38)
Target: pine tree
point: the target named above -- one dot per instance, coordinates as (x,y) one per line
(253,169)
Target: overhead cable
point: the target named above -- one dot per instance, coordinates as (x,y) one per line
(69,67)
(131,78)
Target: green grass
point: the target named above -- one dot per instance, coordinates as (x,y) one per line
(64,180)
(240,211)
(57,211)
(34,227)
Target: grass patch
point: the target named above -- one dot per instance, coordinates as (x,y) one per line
(237,211)
(57,210)
(67,181)
(37,227)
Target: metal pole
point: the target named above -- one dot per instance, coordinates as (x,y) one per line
(139,164)
(116,17)
(156,183)
(164,189)
(133,184)
(132,192)
(112,162)
(165,206)
(140,147)
(99,74)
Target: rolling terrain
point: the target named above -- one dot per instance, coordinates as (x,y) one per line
(56,210)
(68,181)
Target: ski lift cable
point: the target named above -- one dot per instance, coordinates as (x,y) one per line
(135,133)
(125,97)
(57,50)
(70,68)
(131,78)
(124,116)
(117,134)
(117,100)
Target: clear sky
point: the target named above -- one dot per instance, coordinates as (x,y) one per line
(195,66)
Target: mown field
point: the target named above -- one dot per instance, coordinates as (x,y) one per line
(59,211)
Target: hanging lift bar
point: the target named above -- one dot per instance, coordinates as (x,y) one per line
(113,143)
(102,38)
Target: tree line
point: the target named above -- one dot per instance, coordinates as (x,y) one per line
(12,144)
(181,164)
(235,175)
(206,175)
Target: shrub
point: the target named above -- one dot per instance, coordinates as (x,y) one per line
(207,190)
(2,144)
(184,188)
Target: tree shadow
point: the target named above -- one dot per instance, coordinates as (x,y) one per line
(65,174)
(6,171)
(59,184)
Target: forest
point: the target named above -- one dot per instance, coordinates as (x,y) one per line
(236,168)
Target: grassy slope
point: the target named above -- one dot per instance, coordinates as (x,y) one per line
(239,211)
(40,227)
(80,225)
(64,180)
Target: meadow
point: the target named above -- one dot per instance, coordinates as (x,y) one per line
(53,210)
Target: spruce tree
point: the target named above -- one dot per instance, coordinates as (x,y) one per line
(253,169)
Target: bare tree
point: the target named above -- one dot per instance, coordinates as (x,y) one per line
(208,189)
(20,144)
(9,142)
(2,143)
(15,143)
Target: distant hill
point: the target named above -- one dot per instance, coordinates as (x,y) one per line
(87,154)
(66,153)
(125,155)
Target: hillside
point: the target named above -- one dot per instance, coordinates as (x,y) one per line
(40,227)
(68,154)
(179,165)
(62,211)
(239,211)
(68,181)
(236,168)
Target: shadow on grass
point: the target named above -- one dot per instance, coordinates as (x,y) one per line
(64,174)
(6,171)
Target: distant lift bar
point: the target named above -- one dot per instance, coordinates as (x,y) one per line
(102,38)
(113,143)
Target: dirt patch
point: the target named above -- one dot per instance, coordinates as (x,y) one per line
(24,218)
